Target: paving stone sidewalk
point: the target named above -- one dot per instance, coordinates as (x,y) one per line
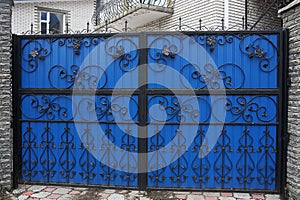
(35,192)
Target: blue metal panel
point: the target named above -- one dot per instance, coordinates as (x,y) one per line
(56,151)
(242,61)
(62,142)
(243,157)
(50,63)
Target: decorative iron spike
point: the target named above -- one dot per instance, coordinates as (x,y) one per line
(200,24)
(223,24)
(180,26)
(31,28)
(67,27)
(126,25)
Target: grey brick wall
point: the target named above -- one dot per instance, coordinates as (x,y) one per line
(291,20)
(5,95)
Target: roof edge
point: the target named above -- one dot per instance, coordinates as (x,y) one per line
(11,2)
(289,6)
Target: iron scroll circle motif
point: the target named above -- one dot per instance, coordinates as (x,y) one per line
(188,103)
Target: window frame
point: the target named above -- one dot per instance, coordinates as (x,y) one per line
(48,12)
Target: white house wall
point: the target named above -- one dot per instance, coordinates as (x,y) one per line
(211,12)
(236,14)
(79,13)
(191,11)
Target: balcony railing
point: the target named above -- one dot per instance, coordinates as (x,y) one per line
(282,3)
(117,9)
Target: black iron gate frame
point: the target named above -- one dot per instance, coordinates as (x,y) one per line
(143,92)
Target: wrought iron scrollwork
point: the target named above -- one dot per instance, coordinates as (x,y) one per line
(128,162)
(87,161)
(34,51)
(77,43)
(109,110)
(200,165)
(245,164)
(268,61)
(212,40)
(30,158)
(67,159)
(249,110)
(123,50)
(156,174)
(59,71)
(223,164)
(92,76)
(176,109)
(229,74)
(48,107)
(162,48)
(48,158)
(266,163)
(108,174)
(179,167)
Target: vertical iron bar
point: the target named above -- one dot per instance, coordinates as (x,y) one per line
(88,27)
(284,63)
(222,20)
(31,28)
(143,114)
(67,27)
(126,25)
(243,19)
(200,24)
(180,23)
(17,133)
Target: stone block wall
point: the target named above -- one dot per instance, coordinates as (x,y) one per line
(291,20)
(5,95)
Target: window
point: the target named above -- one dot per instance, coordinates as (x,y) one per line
(52,22)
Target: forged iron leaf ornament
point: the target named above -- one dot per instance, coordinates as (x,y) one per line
(76,43)
(268,60)
(208,76)
(259,52)
(162,48)
(124,51)
(34,51)
(211,40)
(167,52)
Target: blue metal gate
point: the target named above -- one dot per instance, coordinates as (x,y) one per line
(58,143)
